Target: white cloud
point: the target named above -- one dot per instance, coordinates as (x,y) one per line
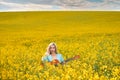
(30,6)
(62,5)
(85,4)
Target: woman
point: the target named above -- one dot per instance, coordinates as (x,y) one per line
(52,54)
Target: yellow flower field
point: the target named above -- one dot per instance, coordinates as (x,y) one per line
(23,42)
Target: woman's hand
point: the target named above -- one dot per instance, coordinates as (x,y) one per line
(63,62)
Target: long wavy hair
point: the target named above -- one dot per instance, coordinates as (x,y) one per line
(48,48)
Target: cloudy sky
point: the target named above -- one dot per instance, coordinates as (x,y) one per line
(41,5)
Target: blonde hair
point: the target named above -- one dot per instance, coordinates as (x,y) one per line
(48,48)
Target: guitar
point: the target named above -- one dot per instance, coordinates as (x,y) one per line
(56,62)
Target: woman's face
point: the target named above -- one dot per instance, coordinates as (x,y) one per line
(52,48)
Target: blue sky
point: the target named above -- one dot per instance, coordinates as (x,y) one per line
(41,5)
